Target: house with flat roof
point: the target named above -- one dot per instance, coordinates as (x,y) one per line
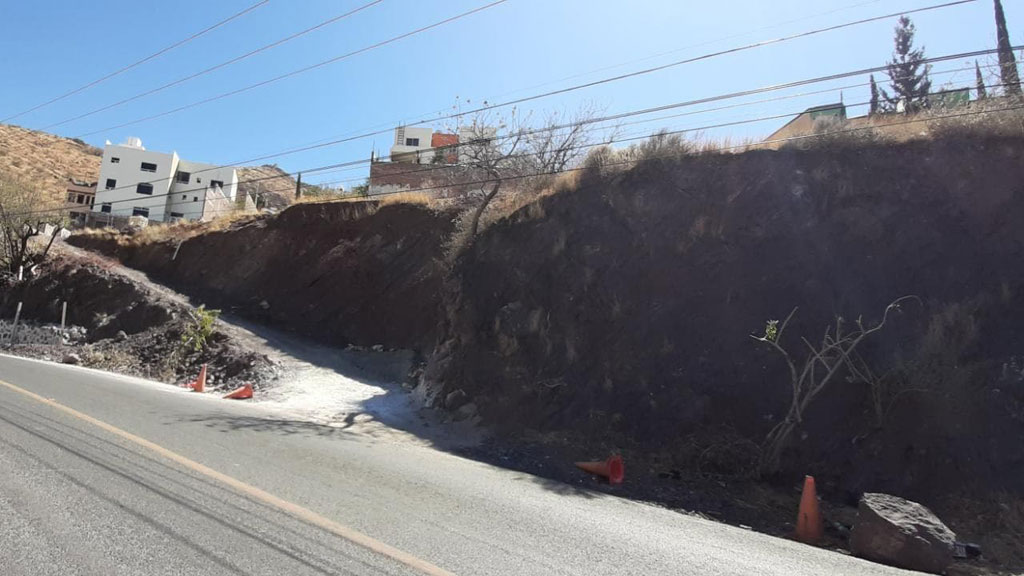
(161,186)
(81,196)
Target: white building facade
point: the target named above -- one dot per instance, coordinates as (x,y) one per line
(412,144)
(160,186)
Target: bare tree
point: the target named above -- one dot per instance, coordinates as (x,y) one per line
(500,150)
(820,367)
(22,218)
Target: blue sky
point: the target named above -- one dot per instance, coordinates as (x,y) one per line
(516,49)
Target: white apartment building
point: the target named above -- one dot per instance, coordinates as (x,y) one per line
(419,145)
(412,144)
(162,187)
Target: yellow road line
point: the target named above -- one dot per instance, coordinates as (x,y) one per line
(295,510)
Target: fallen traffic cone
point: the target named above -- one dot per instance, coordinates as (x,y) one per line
(613,469)
(199,385)
(809,527)
(243,393)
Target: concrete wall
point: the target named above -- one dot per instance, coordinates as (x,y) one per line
(438,181)
(128,173)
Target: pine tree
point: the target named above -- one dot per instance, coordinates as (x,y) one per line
(980,82)
(875,104)
(1007,63)
(908,75)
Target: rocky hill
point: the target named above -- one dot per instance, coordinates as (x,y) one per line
(46,160)
(273,185)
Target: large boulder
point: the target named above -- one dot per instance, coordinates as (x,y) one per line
(901,533)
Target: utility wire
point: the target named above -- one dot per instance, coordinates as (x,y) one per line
(545,94)
(589,145)
(307,68)
(136,63)
(215,67)
(713,150)
(428,116)
(660,118)
(687,103)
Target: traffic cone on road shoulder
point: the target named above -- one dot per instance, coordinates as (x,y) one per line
(809,525)
(199,384)
(613,469)
(243,393)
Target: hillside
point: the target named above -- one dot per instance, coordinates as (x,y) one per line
(274,185)
(617,315)
(46,160)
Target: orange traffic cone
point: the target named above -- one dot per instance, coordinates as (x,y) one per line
(613,468)
(809,526)
(243,393)
(199,385)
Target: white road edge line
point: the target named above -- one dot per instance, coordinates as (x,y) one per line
(303,514)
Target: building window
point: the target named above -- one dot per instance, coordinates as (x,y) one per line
(177,215)
(184,196)
(71,197)
(92,200)
(148,167)
(199,180)
(105,207)
(138,211)
(412,141)
(114,160)
(183,177)
(144,188)
(195,198)
(111,183)
(81,198)
(216,184)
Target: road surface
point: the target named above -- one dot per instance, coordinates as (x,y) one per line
(104,474)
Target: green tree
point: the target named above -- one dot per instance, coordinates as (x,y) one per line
(875,104)
(1007,62)
(908,74)
(979,82)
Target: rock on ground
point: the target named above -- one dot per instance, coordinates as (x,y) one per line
(898,532)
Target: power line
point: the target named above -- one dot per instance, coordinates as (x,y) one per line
(620,140)
(719,149)
(307,68)
(136,63)
(686,103)
(217,66)
(660,118)
(545,94)
(428,116)
(676,105)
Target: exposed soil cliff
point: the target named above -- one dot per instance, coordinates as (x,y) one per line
(620,313)
(344,272)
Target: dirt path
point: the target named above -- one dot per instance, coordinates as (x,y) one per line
(357,390)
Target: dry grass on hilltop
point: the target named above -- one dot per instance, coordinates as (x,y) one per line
(274,185)
(46,161)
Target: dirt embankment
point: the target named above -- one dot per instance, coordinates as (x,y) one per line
(619,315)
(130,327)
(347,273)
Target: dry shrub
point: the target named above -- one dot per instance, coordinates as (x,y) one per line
(662,147)
(837,134)
(988,117)
(503,206)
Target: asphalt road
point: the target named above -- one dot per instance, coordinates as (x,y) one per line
(104,474)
